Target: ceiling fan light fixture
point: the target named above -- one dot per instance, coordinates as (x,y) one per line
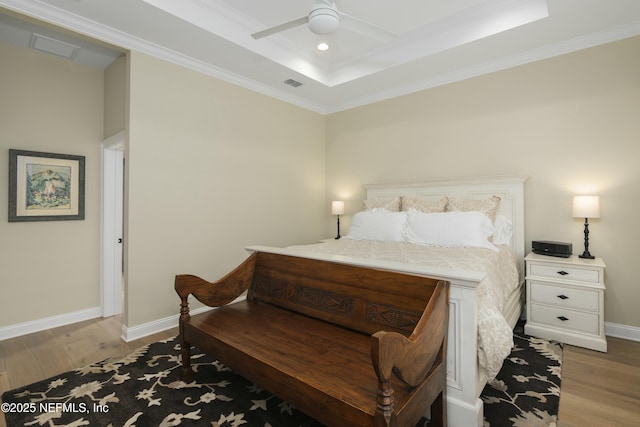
(323,46)
(323,21)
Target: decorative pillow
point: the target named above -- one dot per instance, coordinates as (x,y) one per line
(392,205)
(409,202)
(503,231)
(489,206)
(450,229)
(379,225)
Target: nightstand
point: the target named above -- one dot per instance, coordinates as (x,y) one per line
(565,300)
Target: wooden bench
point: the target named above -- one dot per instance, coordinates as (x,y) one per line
(348,346)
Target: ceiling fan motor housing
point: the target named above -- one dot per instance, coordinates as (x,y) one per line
(324,20)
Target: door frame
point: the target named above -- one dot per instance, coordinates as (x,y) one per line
(111,292)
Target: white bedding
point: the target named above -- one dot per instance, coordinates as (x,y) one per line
(495,337)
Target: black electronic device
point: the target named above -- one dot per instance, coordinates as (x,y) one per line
(557,249)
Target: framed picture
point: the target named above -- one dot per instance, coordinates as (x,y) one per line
(45,186)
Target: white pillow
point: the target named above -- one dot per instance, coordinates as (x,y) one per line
(450,229)
(503,231)
(379,225)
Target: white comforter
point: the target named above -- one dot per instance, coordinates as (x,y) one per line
(495,337)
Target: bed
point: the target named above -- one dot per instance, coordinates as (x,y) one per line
(487,286)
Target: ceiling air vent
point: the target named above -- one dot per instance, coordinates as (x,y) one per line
(53,46)
(293,83)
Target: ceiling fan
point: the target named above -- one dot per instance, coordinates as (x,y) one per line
(325,18)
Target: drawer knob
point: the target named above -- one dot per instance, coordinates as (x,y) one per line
(564,319)
(563,297)
(562,273)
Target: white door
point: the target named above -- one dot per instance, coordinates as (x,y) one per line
(112,221)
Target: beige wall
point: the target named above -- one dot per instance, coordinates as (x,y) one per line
(49,104)
(115,97)
(571,123)
(211,168)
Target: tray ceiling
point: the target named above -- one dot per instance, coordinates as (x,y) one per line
(434,41)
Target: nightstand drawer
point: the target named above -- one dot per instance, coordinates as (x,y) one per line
(564,273)
(565,300)
(564,296)
(565,319)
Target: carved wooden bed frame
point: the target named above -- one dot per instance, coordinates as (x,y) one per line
(465,379)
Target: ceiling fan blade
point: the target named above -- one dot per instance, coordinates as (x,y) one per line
(359,26)
(281,27)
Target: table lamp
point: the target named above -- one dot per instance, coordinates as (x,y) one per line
(586,207)
(337,208)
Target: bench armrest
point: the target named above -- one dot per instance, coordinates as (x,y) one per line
(221,292)
(412,358)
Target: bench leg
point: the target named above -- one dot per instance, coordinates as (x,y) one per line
(384,407)
(186,373)
(439,411)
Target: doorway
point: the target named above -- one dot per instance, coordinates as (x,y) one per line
(112,291)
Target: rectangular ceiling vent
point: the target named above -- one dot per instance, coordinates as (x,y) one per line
(293,83)
(53,46)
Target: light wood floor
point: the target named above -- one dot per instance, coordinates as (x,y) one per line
(601,389)
(598,389)
(38,356)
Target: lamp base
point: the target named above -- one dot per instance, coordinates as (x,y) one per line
(586,255)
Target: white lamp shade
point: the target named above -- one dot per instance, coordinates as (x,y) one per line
(337,207)
(586,207)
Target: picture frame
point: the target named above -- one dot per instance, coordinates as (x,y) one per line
(45,186)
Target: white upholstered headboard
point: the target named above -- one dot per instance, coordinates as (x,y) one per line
(509,188)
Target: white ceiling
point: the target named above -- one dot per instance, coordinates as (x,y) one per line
(436,41)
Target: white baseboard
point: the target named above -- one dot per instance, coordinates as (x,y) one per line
(141,331)
(631,333)
(136,332)
(49,322)
(626,332)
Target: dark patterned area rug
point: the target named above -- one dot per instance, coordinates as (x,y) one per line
(143,389)
(526,391)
